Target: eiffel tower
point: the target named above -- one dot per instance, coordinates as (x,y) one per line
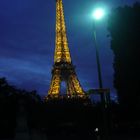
(63,69)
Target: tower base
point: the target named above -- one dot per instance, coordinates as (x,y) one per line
(67,97)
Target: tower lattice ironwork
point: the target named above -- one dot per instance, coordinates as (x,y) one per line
(63,69)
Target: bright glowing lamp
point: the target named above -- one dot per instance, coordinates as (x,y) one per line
(98,13)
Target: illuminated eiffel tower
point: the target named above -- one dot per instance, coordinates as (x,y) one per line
(63,69)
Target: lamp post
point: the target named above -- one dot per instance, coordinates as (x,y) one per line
(99,14)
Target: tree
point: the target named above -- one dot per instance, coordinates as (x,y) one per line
(9,99)
(124,28)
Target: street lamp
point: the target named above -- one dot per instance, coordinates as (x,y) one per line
(98,14)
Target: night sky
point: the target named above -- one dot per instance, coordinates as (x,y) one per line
(27,42)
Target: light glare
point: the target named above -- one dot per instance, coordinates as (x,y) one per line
(98,13)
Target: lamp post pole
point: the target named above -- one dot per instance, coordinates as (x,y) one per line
(98,14)
(103,102)
(98,64)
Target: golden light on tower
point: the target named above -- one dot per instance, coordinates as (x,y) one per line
(61,49)
(63,69)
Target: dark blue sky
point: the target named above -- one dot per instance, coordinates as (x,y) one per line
(27,41)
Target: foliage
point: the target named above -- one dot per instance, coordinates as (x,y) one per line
(124,28)
(9,97)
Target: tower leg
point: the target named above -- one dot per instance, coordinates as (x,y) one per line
(55,85)
(76,85)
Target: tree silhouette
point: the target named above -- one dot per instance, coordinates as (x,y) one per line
(124,28)
(7,108)
(9,97)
